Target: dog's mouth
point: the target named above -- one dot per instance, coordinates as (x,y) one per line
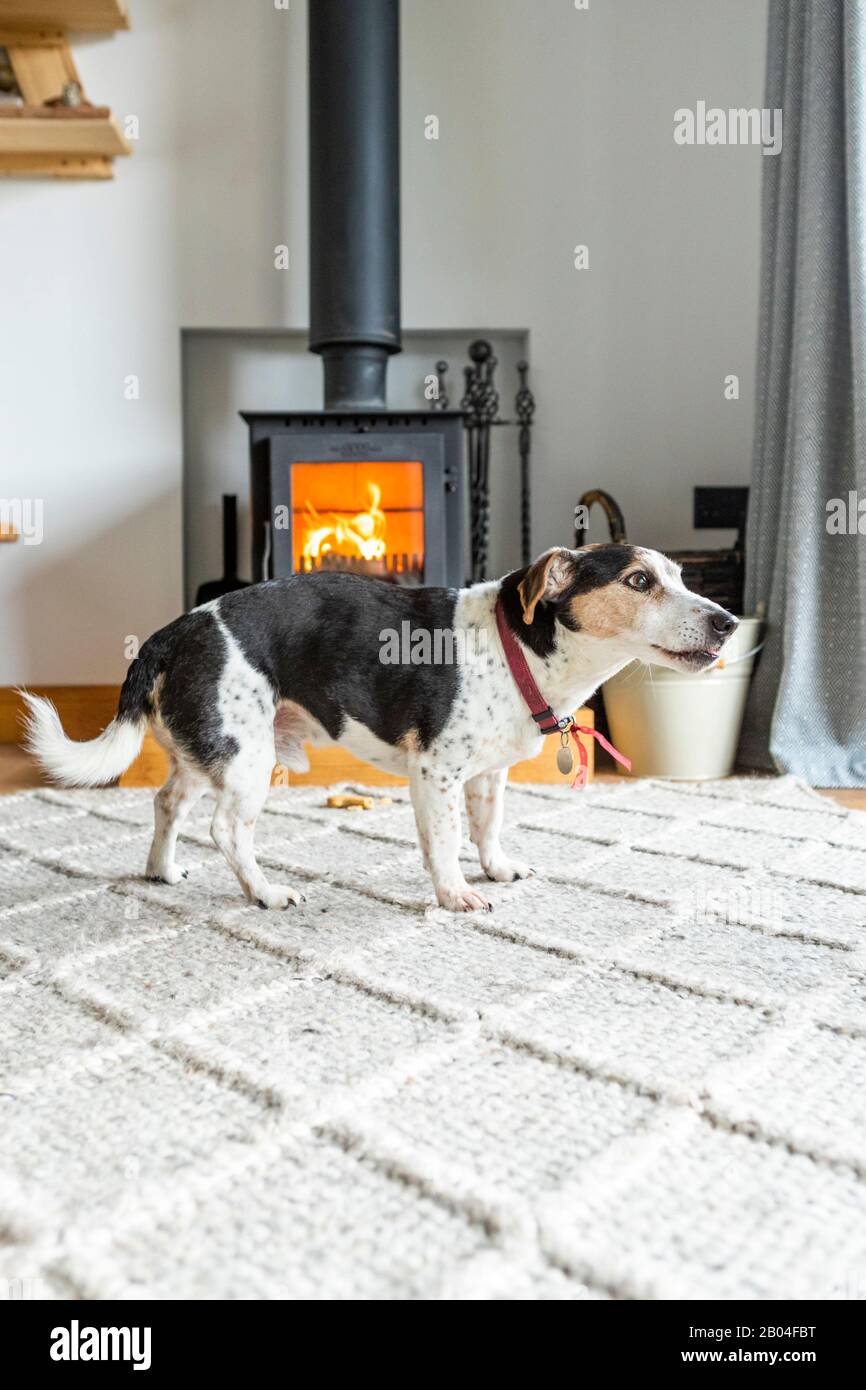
(696,658)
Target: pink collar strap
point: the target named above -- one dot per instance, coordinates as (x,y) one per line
(547,721)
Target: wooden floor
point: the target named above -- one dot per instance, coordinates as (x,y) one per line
(18,773)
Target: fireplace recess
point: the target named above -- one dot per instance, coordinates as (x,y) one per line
(356,486)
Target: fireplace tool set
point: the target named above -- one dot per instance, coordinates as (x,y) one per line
(480,406)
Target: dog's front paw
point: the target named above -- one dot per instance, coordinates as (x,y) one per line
(170,876)
(507,870)
(463,900)
(275,897)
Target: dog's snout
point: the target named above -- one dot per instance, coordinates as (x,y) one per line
(722,624)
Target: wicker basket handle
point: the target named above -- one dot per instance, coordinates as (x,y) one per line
(612,510)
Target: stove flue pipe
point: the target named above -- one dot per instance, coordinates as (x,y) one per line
(354,107)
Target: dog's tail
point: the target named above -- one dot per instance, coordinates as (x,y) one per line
(104,758)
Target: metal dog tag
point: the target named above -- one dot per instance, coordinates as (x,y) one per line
(564,757)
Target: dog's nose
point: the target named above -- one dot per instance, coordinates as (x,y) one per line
(723,624)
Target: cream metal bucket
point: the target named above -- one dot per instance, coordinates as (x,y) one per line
(683,725)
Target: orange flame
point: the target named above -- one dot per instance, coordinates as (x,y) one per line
(362,534)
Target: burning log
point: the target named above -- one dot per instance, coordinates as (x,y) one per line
(401,569)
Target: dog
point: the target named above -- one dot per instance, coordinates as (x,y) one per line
(246,680)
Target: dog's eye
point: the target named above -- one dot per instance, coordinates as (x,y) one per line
(639,580)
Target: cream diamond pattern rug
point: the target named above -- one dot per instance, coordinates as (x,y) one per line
(642,1076)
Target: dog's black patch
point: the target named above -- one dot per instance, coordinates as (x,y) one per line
(136,693)
(318,639)
(591,569)
(595,568)
(192,652)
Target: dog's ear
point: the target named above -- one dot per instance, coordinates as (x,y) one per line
(546,578)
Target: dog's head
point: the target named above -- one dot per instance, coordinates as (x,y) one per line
(632,597)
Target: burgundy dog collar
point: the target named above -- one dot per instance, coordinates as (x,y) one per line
(538,707)
(547,721)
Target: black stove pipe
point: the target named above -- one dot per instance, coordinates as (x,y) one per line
(354,105)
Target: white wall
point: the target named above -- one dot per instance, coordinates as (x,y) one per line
(556,128)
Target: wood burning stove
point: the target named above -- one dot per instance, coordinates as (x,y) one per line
(378,494)
(356,487)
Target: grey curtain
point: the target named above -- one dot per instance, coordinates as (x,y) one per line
(807,706)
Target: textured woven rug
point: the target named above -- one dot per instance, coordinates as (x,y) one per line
(643,1076)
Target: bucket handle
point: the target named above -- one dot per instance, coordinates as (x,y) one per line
(611,509)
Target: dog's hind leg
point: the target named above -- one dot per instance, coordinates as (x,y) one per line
(245,785)
(484,808)
(171,805)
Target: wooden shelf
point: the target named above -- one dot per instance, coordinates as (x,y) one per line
(31,131)
(93,15)
(55,166)
(41,138)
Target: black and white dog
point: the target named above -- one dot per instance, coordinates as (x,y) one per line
(247,680)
